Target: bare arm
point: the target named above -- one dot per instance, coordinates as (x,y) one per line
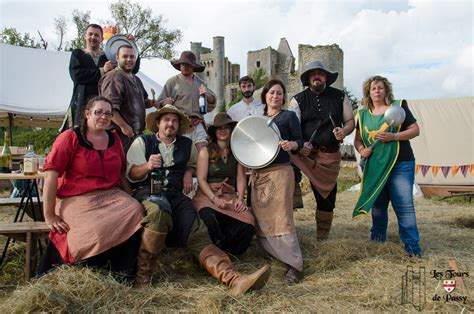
(241,182)
(412,131)
(54,222)
(348,124)
(124,127)
(360,147)
(188,180)
(201,172)
(151,103)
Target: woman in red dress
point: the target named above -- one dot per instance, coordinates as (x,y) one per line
(93,220)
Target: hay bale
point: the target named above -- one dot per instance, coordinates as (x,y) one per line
(346,272)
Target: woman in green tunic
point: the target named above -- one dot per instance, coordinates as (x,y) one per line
(390,169)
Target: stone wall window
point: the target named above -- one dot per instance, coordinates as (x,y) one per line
(207,73)
(258,64)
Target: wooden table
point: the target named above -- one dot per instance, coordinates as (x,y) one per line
(29,232)
(29,204)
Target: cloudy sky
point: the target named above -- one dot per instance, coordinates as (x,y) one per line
(424,47)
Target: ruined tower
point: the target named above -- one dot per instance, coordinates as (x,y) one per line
(219,54)
(219,71)
(196,48)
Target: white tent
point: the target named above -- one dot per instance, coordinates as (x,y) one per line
(444,151)
(35,86)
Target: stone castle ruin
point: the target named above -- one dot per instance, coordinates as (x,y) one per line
(222,75)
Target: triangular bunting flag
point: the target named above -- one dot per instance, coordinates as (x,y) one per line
(454,170)
(471,167)
(445,170)
(434,170)
(464,170)
(424,170)
(417,169)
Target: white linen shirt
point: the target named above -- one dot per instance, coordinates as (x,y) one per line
(241,110)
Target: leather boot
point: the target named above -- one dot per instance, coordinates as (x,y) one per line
(293,275)
(218,264)
(152,243)
(297,197)
(323,224)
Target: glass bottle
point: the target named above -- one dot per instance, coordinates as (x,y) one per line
(155,185)
(30,161)
(6,156)
(202,104)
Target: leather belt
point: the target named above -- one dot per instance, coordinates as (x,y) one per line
(328,149)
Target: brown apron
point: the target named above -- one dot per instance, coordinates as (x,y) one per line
(227,193)
(320,168)
(272,200)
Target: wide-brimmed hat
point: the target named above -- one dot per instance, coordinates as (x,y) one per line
(193,114)
(317,65)
(155,115)
(221,119)
(190,58)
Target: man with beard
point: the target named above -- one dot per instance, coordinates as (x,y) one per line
(86,67)
(128,96)
(157,165)
(248,106)
(326,118)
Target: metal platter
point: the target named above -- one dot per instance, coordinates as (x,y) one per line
(254,143)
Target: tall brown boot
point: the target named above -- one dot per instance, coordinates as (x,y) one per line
(297,197)
(152,243)
(323,224)
(218,264)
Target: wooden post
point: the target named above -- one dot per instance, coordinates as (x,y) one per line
(459,280)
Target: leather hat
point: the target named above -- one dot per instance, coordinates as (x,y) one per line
(317,65)
(220,119)
(187,57)
(155,115)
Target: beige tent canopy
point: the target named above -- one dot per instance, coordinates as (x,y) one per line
(35,86)
(444,151)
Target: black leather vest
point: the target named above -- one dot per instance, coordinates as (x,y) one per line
(181,155)
(315,111)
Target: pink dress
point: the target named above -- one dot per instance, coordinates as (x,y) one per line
(100,215)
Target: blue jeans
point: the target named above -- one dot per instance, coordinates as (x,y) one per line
(399,190)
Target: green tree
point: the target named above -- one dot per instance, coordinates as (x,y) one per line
(81,20)
(260,78)
(152,38)
(60,28)
(352,99)
(12,36)
(40,138)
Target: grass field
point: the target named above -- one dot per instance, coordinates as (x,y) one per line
(345,273)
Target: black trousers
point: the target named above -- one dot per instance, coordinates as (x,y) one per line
(229,234)
(328,204)
(121,259)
